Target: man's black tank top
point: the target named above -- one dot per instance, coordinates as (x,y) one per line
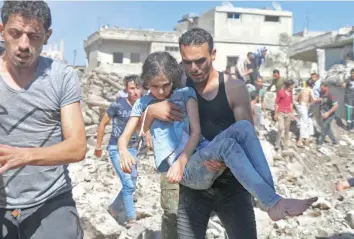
(216,114)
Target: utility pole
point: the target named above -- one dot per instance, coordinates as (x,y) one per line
(98,23)
(74,57)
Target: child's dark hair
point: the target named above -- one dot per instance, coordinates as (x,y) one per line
(158,63)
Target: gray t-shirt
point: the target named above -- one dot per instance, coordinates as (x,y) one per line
(119,112)
(30,117)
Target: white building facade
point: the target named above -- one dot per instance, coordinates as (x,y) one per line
(53,51)
(126,48)
(236,31)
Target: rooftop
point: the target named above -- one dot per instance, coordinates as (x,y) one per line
(307,47)
(143,35)
(255,11)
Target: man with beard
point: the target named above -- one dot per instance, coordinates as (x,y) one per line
(41,129)
(221,101)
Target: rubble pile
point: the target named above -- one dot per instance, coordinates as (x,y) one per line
(99,89)
(338,73)
(303,173)
(95,186)
(297,173)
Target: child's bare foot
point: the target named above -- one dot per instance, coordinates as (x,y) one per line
(290,207)
(342,185)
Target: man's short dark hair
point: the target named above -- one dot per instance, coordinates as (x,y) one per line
(276,71)
(314,73)
(27,9)
(310,82)
(253,95)
(288,83)
(196,37)
(351,71)
(132,78)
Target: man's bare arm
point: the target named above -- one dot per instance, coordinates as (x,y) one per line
(100,131)
(263,105)
(71,149)
(270,86)
(334,108)
(239,100)
(128,131)
(165,111)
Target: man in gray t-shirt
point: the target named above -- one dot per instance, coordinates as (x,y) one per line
(41,129)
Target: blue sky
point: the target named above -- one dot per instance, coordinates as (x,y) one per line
(74,21)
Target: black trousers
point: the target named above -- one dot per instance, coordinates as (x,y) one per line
(231,202)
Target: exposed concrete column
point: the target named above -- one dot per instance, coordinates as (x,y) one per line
(321,62)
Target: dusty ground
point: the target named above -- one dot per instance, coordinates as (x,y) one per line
(297,173)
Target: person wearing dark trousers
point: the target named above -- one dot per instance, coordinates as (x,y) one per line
(328,112)
(42,129)
(221,102)
(349,100)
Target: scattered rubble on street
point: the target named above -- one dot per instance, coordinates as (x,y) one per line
(297,173)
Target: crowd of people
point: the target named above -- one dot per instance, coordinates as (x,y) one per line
(313,103)
(200,124)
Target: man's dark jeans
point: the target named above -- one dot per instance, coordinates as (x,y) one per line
(231,202)
(326,130)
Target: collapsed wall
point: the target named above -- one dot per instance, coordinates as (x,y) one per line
(338,73)
(335,77)
(95,182)
(99,89)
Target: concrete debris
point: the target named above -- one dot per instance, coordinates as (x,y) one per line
(322,205)
(325,151)
(269,100)
(297,173)
(215,229)
(337,74)
(350,219)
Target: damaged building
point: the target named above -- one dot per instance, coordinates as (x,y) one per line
(327,48)
(236,31)
(333,53)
